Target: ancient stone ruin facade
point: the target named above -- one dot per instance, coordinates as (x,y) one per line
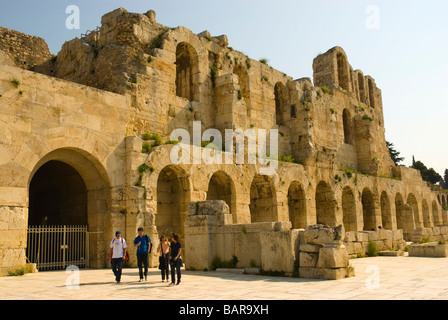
(75,148)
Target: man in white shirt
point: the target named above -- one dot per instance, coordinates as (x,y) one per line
(118,249)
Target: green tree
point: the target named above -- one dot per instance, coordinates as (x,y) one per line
(444,180)
(394,154)
(429,175)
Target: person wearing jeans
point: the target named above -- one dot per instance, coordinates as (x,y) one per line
(142,243)
(175,259)
(118,249)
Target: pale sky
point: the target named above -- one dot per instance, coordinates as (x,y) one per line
(407,54)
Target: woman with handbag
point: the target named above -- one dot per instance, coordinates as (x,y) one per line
(164,251)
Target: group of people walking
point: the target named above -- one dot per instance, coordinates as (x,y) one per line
(169,256)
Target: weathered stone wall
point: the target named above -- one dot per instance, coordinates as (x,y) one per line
(434,234)
(44,119)
(131,77)
(209,233)
(384,240)
(26,51)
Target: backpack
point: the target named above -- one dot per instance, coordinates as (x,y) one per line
(148,240)
(126,257)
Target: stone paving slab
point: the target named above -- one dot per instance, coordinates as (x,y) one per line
(380,278)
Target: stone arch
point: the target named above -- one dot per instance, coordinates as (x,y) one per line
(187,69)
(263,200)
(426,214)
(243,81)
(348,127)
(349,210)
(90,201)
(368,210)
(386,214)
(343,71)
(362,87)
(297,205)
(435,214)
(325,205)
(222,187)
(372,90)
(413,206)
(443,201)
(281,101)
(57,196)
(173,196)
(400,211)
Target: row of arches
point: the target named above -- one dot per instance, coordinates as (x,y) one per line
(356,209)
(363,87)
(187,81)
(67,188)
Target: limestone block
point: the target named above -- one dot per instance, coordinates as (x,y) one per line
(308,259)
(313,248)
(333,257)
(389,235)
(381,234)
(321,234)
(372,235)
(441,251)
(350,236)
(387,245)
(357,247)
(322,273)
(397,235)
(362,236)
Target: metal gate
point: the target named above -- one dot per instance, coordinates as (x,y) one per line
(56,247)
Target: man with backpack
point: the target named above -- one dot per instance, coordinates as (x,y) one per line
(143,244)
(118,250)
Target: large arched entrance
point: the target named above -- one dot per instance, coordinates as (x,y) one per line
(173,196)
(57,196)
(69,198)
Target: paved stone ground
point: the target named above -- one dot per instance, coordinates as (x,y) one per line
(380,278)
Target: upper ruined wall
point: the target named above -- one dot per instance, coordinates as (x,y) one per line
(25,51)
(175,77)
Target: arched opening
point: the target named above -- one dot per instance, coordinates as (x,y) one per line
(401,213)
(343,75)
(325,205)
(435,214)
(371,93)
(263,200)
(173,196)
(297,205)
(348,127)
(221,187)
(186,71)
(69,187)
(243,81)
(362,88)
(426,214)
(349,210)
(414,212)
(368,210)
(281,101)
(386,215)
(57,196)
